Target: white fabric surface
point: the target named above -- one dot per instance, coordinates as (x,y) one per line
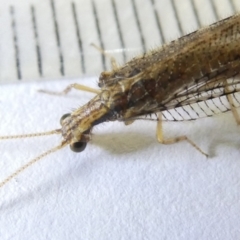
(124,185)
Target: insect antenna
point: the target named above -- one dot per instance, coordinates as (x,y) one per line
(41,156)
(56,131)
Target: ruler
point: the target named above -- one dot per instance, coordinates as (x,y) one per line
(51,39)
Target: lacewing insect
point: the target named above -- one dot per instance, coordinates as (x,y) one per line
(200,67)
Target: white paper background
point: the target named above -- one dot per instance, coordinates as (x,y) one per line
(176,18)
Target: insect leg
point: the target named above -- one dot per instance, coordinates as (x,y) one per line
(112,59)
(161,139)
(79,86)
(69,88)
(233,109)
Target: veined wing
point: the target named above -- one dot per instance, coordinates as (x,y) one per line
(203,100)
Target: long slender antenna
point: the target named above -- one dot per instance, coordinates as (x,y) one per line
(56,131)
(52,150)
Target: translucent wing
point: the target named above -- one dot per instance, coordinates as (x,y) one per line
(203,100)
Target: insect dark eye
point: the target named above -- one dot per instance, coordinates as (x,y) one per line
(63,117)
(78,146)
